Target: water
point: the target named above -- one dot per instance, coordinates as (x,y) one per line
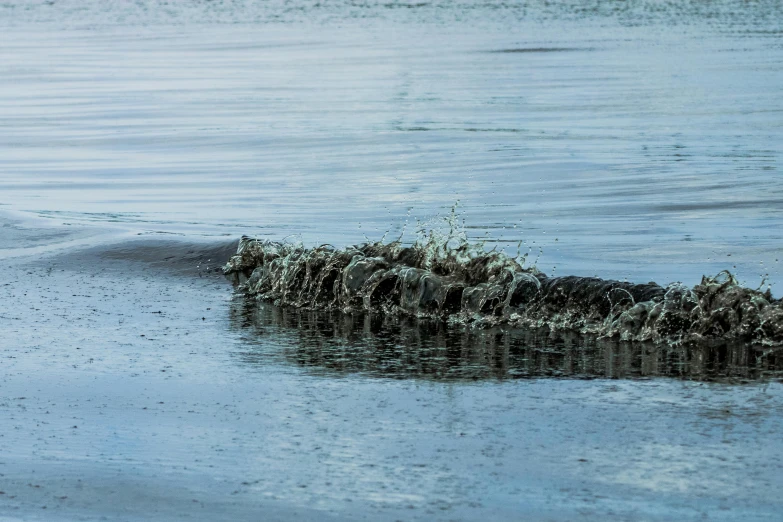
(445,278)
(634,140)
(135,385)
(334,344)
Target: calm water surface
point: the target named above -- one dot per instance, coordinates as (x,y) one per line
(636,141)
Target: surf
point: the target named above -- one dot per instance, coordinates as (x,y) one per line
(460,282)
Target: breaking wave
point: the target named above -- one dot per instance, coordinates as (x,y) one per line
(443,276)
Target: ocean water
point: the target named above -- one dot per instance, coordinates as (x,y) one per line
(628,140)
(636,140)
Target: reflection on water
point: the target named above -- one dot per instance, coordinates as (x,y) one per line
(401,348)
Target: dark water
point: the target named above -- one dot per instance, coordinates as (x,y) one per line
(446,278)
(373,345)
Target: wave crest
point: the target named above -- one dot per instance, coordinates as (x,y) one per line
(457,281)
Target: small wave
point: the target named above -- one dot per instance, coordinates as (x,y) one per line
(161,256)
(453,280)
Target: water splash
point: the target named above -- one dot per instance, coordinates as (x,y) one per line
(444,276)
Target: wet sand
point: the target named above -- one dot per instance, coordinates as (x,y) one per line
(127,393)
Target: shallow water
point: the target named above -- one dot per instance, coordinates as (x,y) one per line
(636,141)
(135,386)
(632,140)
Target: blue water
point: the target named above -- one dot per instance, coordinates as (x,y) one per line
(636,139)
(632,140)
